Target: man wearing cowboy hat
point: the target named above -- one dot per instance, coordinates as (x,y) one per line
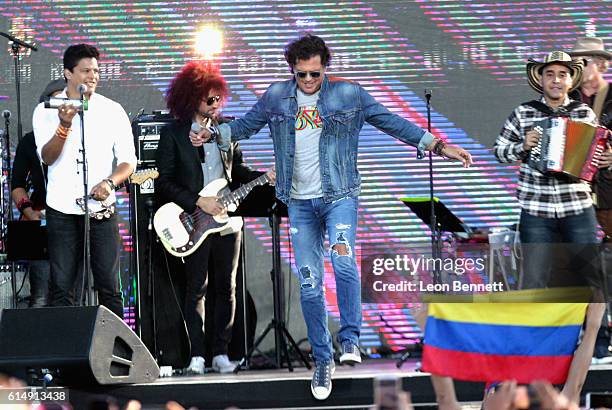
(554,210)
(596,92)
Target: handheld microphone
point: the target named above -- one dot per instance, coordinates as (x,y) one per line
(55,102)
(6,114)
(196,127)
(82,89)
(427,94)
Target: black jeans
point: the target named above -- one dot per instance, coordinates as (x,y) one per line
(221,253)
(66,254)
(39,283)
(566,246)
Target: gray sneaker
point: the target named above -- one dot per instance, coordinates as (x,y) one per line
(350,353)
(321,385)
(221,364)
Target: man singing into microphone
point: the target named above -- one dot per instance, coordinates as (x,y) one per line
(108,137)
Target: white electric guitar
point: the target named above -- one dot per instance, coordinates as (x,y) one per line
(182,233)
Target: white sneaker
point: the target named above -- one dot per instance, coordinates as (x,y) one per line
(221,364)
(321,384)
(196,366)
(601,360)
(350,353)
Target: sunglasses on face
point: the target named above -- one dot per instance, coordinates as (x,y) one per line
(304,74)
(213,100)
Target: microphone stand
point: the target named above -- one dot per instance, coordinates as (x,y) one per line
(7,214)
(15,48)
(17,44)
(87,275)
(8,175)
(436,252)
(434,228)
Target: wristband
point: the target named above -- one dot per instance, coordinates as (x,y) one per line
(62,131)
(439,147)
(111,184)
(24,203)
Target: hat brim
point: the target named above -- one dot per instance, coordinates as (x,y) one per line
(534,77)
(598,53)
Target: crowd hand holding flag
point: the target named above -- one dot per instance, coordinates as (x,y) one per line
(444,387)
(584,352)
(538,395)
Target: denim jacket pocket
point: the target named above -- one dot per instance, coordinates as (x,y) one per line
(344,122)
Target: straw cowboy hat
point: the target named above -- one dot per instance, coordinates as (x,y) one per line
(534,69)
(590,46)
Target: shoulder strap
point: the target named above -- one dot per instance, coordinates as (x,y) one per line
(564,112)
(540,106)
(600,99)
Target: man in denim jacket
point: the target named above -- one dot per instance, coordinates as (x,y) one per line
(314,122)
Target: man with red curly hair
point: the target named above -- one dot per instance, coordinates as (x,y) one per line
(185,165)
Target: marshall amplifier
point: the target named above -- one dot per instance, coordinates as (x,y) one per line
(146,129)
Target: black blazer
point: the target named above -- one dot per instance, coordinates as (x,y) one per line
(180,168)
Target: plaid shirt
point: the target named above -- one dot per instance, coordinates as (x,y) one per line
(540,194)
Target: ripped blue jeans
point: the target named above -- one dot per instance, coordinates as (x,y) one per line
(310,219)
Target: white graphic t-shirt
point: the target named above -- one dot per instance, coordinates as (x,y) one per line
(306,182)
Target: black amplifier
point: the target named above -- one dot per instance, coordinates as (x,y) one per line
(147,129)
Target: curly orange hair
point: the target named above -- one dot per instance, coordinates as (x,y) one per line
(190,86)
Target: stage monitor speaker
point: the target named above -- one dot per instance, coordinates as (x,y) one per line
(76,345)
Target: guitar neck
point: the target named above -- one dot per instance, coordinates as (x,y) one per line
(239,194)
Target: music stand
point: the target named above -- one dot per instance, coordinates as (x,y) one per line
(446,221)
(259,203)
(26,240)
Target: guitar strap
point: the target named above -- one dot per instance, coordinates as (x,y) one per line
(600,98)
(201,154)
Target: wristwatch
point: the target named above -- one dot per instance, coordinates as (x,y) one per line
(111,184)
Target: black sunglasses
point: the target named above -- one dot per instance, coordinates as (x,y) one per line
(213,100)
(303,74)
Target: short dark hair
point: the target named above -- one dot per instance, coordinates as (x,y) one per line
(305,48)
(77,52)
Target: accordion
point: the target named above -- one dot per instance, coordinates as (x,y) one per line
(568,147)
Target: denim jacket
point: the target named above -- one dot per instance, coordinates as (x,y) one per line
(343,107)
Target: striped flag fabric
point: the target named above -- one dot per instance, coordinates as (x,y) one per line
(492,342)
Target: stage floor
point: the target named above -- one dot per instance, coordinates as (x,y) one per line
(281,389)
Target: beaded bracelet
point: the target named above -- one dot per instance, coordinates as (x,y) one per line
(62,132)
(439,147)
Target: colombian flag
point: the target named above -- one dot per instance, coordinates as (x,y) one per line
(491,342)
